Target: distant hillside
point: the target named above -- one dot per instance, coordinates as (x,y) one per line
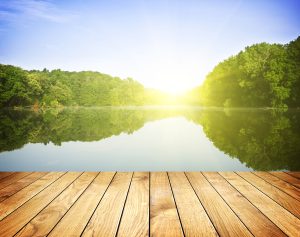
(263,75)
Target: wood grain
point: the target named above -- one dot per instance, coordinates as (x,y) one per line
(191,218)
(12,178)
(57,208)
(20,184)
(135,219)
(223,218)
(149,204)
(286,221)
(288,178)
(20,217)
(285,200)
(106,217)
(15,201)
(279,183)
(295,174)
(74,222)
(164,220)
(5,174)
(257,223)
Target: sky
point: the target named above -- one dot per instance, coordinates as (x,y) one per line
(169,45)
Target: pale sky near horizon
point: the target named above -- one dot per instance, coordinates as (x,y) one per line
(168,45)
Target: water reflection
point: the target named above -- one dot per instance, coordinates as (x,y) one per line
(261,139)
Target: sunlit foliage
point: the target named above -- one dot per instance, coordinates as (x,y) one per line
(263,75)
(56,88)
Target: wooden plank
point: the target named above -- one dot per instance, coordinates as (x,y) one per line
(58,204)
(287,178)
(20,184)
(223,218)
(285,200)
(257,223)
(57,208)
(10,225)
(191,212)
(295,174)
(75,220)
(276,213)
(135,218)
(279,183)
(5,174)
(106,217)
(13,202)
(164,219)
(12,178)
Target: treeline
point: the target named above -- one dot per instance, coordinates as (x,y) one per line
(54,88)
(263,75)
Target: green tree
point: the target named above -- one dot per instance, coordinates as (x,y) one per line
(261,75)
(13,86)
(62,88)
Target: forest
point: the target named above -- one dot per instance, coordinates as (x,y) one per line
(56,88)
(263,75)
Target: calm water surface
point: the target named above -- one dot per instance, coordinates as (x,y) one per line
(149,139)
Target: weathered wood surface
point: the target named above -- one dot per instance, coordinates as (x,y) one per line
(149,204)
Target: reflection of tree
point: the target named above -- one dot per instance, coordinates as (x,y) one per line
(263,140)
(18,128)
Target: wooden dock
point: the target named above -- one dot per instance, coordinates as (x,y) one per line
(150,204)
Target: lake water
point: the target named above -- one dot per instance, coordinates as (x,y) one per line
(149,139)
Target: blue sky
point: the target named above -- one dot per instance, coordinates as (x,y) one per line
(169,45)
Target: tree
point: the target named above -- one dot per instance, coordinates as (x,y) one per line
(62,88)
(13,86)
(293,56)
(261,75)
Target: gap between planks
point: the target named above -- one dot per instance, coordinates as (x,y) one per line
(149,204)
